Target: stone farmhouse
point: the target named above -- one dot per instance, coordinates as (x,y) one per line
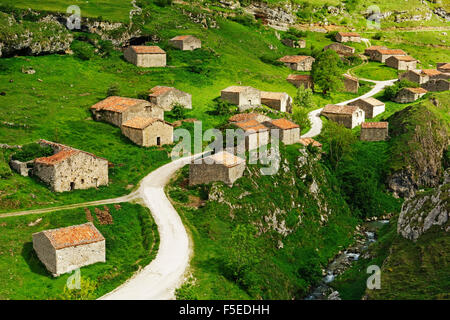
(116,110)
(222,166)
(146,56)
(243,117)
(310,141)
(280,101)
(407,95)
(351,84)
(301,80)
(374,131)
(69,169)
(256,134)
(243,97)
(348,116)
(443,67)
(348,37)
(186,43)
(417,76)
(371,50)
(288,130)
(381,55)
(371,106)
(298,43)
(166,97)
(66,249)
(340,49)
(148,132)
(298,63)
(436,85)
(401,62)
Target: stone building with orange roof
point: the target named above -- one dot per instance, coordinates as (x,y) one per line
(66,249)
(244,97)
(407,95)
(371,106)
(145,56)
(310,141)
(298,80)
(222,166)
(243,117)
(443,67)
(401,62)
(116,110)
(381,55)
(185,42)
(148,132)
(289,132)
(341,49)
(348,37)
(370,50)
(374,131)
(348,116)
(255,133)
(351,84)
(280,101)
(436,85)
(166,97)
(298,63)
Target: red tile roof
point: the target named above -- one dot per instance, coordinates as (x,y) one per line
(284,124)
(299,77)
(330,108)
(392,51)
(308,141)
(243,117)
(57,157)
(371,48)
(73,236)
(251,125)
(267,95)
(147,50)
(349,34)
(416,90)
(117,104)
(159,90)
(293,59)
(236,89)
(431,72)
(181,37)
(375,125)
(445,66)
(372,101)
(141,122)
(403,58)
(227,159)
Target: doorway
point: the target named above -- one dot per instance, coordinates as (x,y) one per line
(158,141)
(72,186)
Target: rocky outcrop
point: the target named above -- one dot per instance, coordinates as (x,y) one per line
(426,210)
(442,13)
(279,17)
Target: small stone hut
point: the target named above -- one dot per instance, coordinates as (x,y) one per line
(401,62)
(280,101)
(256,134)
(381,55)
(244,97)
(116,110)
(436,85)
(166,97)
(186,43)
(310,141)
(222,166)
(288,130)
(416,76)
(407,95)
(146,56)
(351,84)
(443,67)
(348,37)
(348,116)
(148,132)
(371,50)
(374,131)
(66,249)
(301,80)
(294,43)
(298,63)
(340,49)
(371,106)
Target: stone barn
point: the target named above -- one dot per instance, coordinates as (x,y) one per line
(348,116)
(401,62)
(186,43)
(348,37)
(116,110)
(407,95)
(288,130)
(301,80)
(66,249)
(222,166)
(371,50)
(280,101)
(166,97)
(416,76)
(374,131)
(436,85)
(381,55)
(243,117)
(69,169)
(371,106)
(340,49)
(243,96)
(148,132)
(294,43)
(145,56)
(298,63)
(351,84)
(443,67)
(256,134)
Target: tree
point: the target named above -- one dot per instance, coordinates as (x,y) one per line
(179,111)
(338,142)
(326,72)
(222,107)
(301,104)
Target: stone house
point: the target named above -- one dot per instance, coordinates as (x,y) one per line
(416,76)
(381,55)
(340,49)
(280,101)
(401,62)
(186,43)
(298,43)
(443,67)
(348,37)
(148,132)
(66,249)
(374,131)
(351,84)
(244,97)
(289,132)
(436,85)
(69,169)
(371,50)
(407,95)
(243,117)
(301,80)
(116,110)
(307,141)
(348,116)
(166,97)
(298,63)
(222,166)
(256,134)
(371,106)
(146,56)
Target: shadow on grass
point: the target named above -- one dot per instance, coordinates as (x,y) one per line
(30,257)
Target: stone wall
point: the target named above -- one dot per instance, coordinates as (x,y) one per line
(374,134)
(246,99)
(290,136)
(190,43)
(370,111)
(347,120)
(167,100)
(206,173)
(351,85)
(71,258)
(20,167)
(145,60)
(284,104)
(436,85)
(406,97)
(45,251)
(401,65)
(139,110)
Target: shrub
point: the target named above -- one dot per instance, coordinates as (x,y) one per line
(82,50)
(179,195)
(222,107)
(270,59)
(32,151)
(391,92)
(113,90)
(163,3)
(377,36)
(296,33)
(87,291)
(178,111)
(5,170)
(246,20)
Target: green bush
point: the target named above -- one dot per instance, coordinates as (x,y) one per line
(82,50)
(377,36)
(163,3)
(246,20)
(222,107)
(270,59)
(5,170)
(178,112)
(391,92)
(113,90)
(87,291)
(32,151)
(179,195)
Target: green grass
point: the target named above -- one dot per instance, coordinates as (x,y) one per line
(131,242)
(375,71)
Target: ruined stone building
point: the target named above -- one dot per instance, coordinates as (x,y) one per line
(381,55)
(166,97)
(294,43)
(145,56)
(351,84)
(443,67)
(66,249)
(348,37)
(186,43)
(340,49)
(244,97)
(298,63)
(371,106)
(222,166)
(243,117)
(116,110)
(374,131)
(289,132)
(256,134)
(371,50)
(69,169)
(280,101)
(407,95)
(401,62)
(348,116)
(148,132)
(436,85)
(301,80)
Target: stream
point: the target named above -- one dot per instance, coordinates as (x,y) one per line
(366,234)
